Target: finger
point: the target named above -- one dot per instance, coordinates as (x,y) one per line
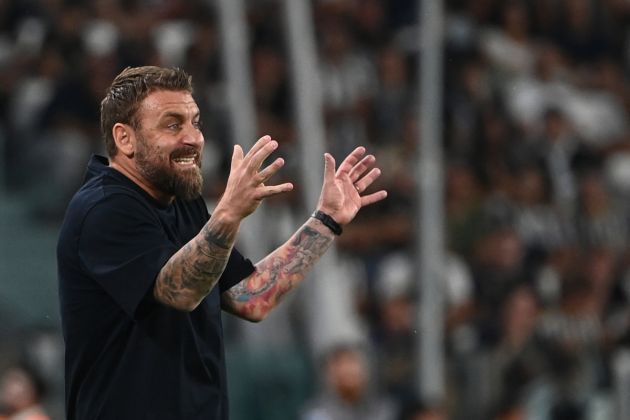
(361,167)
(351,160)
(270,190)
(237,155)
(260,143)
(363,184)
(263,153)
(270,170)
(329,167)
(373,198)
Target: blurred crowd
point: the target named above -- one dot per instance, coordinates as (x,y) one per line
(537,165)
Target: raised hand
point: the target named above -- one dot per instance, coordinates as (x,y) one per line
(246,187)
(341,196)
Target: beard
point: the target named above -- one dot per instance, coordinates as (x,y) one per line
(162,172)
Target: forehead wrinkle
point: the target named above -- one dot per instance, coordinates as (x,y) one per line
(157,103)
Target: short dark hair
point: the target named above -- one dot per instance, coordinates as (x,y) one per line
(129,89)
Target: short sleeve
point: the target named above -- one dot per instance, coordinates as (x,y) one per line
(237,268)
(123,247)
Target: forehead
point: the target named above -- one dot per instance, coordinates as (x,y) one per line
(166,101)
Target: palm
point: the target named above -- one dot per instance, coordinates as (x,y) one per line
(341,193)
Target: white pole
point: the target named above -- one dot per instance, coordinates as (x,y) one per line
(430,229)
(327,295)
(242,112)
(307,96)
(621,370)
(259,229)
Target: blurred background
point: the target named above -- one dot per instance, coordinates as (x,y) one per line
(532,184)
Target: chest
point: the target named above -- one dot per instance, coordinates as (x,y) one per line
(181,222)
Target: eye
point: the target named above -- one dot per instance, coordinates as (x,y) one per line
(198,125)
(174,126)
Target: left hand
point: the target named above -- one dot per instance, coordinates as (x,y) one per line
(341,193)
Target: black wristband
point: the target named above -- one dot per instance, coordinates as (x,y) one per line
(328,221)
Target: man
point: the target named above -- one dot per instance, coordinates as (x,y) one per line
(144,271)
(21,393)
(346,393)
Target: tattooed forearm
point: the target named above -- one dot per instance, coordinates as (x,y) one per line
(279,272)
(194,270)
(308,246)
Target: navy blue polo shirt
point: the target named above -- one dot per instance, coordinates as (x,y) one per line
(128,356)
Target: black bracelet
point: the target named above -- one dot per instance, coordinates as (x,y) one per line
(328,221)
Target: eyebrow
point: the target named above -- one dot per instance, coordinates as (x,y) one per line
(179,115)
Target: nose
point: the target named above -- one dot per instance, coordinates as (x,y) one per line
(192,136)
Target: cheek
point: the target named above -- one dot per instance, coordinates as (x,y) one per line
(158,152)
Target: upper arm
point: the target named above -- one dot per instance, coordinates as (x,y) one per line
(122,247)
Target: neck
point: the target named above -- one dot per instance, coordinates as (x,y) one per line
(140,181)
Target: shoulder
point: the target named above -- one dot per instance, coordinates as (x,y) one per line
(104,198)
(104,207)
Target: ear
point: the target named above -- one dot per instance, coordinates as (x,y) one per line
(125,138)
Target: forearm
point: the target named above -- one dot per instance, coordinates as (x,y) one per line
(192,272)
(279,272)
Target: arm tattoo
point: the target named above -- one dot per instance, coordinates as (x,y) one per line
(279,272)
(192,272)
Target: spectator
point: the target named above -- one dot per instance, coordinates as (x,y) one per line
(601,221)
(346,394)
(536,220)
(509,47)
(563,152)
(21,392)
(464,208)
(573,335)
(507,368)
(394,329)
(499,266)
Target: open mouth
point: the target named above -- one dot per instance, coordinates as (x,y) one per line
(186,161)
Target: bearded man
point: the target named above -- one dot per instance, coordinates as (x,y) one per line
(144,271)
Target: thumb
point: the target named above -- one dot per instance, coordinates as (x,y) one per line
(329,167)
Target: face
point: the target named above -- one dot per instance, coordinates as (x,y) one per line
(347,374)
(17,391)
(169,144)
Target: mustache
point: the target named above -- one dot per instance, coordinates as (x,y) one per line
(186,151)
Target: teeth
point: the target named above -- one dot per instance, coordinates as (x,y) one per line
(185,160)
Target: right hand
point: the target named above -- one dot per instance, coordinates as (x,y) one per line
(246,187)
